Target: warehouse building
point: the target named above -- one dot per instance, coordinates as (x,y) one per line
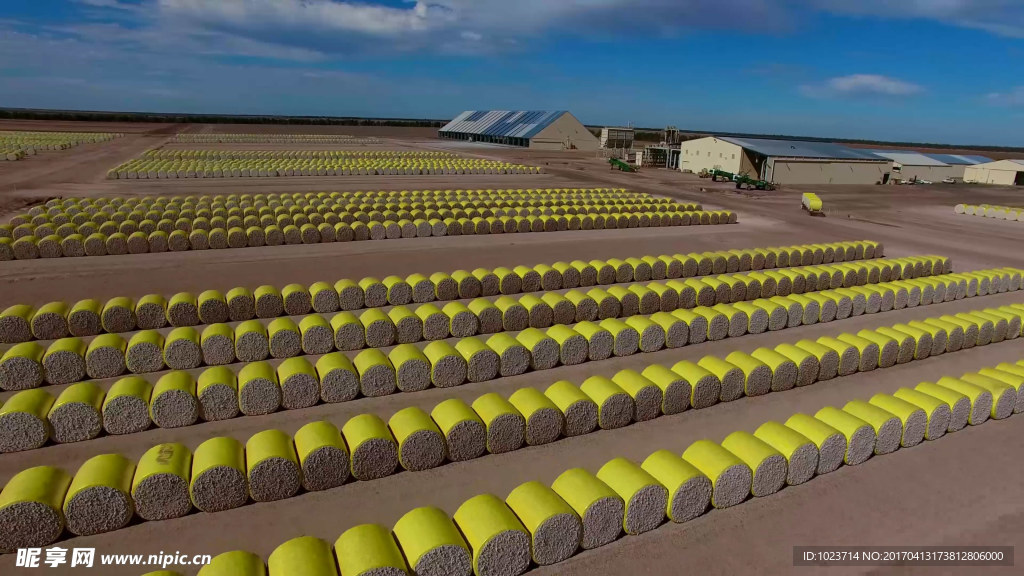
(785,161)
(908,165)
(1005,172)
(555,130)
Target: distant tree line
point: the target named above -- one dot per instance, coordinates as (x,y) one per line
(96,116)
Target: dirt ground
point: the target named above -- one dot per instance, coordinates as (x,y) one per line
(962,490)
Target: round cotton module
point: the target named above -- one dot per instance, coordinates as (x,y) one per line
(48,323)
(285,339)
(23,422)
(469,285)
(16,324)
(372,449)
(182,310)
(600,509)
(95,245)
(64,361)
(465,433)
(689,489)
(299,385)
(272,465)
(506,427)
(31,510)
(646,499)
(338,379)
(258,390)
(615,407)
(75,415)
(544,350)
(45,247)
(150,312)
(488,315)
(160,485)
(218,480)
(182,350)
(98,500)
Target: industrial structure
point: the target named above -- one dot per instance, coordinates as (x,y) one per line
(1005,172)
(910,166)
(543,130)
(617,137)
(785,161)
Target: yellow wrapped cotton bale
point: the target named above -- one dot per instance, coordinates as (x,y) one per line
(769,466)
(962,407)
(465,433)
(646,500)
(544,420)
(16,323)
(173,403)
(563,311)
(555,529)
(615,407)
(801,454)
(731,479)
(376,373)
(829,443)
(730,376)
(299,385)
(647,396)
(258,389)
(218,480)
(31,508)
(183,310)
(625,338)
(887,426)
(371,446)
(913,419)
(160,485)
(600,508)
(182,349)
(850,354)
(1004,396)
(304,556)
(579,410)
(23,421)
(412,368)
(506,427)
(64,361)
(99,499)
(21,367)
(431,543)
(860,435)
(936,413)
(234,563)
(600,341)
(76,414)
(689,490)
(826,358)
(515,358)
(49,322)
(421,445)
(499,541)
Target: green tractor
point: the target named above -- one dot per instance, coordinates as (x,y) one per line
(619,164)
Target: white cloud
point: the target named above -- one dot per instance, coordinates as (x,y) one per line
(1014,97)
(1001,17)
(861,85)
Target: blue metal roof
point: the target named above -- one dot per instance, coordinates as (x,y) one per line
(958,159)
(503,123)
(802,149)
(910,158)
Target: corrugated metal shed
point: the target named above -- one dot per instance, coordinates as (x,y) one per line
(801,149)
(958,159)
(503,123)
(909,158)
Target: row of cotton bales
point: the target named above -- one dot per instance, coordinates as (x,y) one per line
(179,398)
(89,317)
(991,211)
(86,220)
(99,244)
(541,525)
(172,163)
(71,359)
(15,145)
(222,343)
(237,138)
(535,523)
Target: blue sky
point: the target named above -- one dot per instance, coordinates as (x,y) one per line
(911,70)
